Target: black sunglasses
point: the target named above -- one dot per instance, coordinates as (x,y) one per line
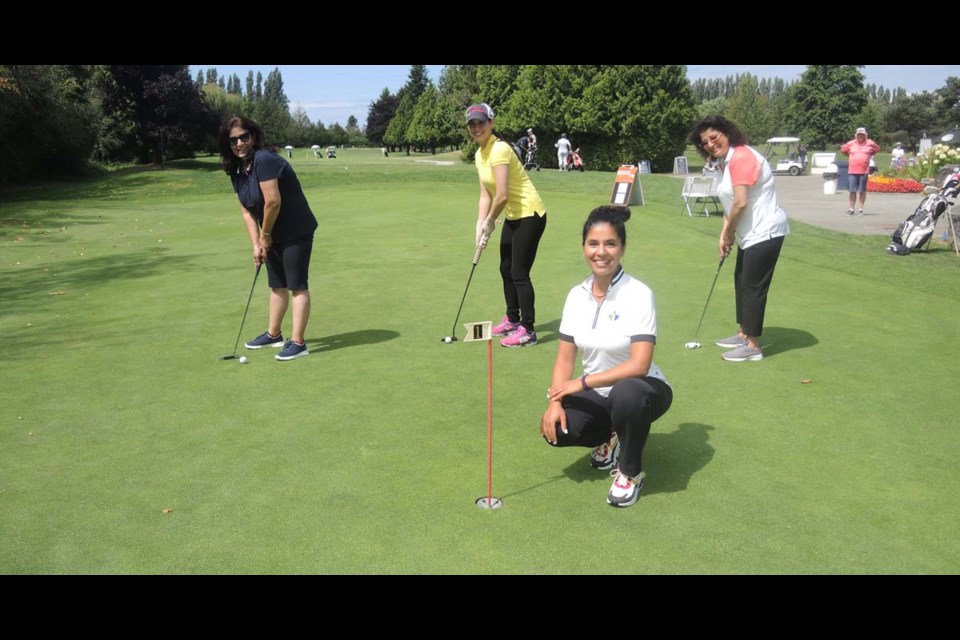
(243,137)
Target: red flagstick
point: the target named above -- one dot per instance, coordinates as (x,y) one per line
(490,423)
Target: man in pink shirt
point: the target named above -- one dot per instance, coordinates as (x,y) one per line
(859,150)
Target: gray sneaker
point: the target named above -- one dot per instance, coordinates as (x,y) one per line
(741,354)
(732,342)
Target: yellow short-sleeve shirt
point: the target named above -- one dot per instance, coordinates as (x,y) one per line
(523,200)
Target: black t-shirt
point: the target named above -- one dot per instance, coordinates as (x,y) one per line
(295,219)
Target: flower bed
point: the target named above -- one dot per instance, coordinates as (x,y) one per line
(882,184)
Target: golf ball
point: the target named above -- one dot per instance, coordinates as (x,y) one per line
(243,360)
(447,339)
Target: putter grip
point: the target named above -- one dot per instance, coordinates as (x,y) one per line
(483,243)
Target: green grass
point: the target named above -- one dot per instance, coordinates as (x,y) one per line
(119,295)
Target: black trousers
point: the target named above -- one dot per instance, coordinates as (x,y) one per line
(630,409)
(519,241)
(751,280)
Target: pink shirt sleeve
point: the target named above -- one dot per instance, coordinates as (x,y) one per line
(743,167)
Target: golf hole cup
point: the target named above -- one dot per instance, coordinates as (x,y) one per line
(692,345)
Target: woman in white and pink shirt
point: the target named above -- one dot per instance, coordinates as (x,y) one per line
(753,218)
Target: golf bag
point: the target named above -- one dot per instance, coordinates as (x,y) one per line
(915,232)
(574,161)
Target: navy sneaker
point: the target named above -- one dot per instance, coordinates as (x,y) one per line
(292,350)
(265,340)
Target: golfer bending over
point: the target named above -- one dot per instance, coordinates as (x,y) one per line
(611,318)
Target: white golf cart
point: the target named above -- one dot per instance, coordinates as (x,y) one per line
(782,155)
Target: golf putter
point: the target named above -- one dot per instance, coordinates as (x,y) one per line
(694,344)
(476,258)
(242,322)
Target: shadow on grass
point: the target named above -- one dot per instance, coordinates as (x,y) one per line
(88,273)
(670,458)
(777,340)
(101,183)
(351,339)
(548,331)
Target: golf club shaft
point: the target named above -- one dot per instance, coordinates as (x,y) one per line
(453,331)
(249,298)
(709,295)
(476,259)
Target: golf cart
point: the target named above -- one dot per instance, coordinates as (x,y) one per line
(331,152)
(783,157)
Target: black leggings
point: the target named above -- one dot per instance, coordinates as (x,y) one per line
(519,241)
(630,409)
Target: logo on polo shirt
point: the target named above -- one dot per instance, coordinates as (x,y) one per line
(613,317)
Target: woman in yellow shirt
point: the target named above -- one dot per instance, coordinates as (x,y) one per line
(506,189)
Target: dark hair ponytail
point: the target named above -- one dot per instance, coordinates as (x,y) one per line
(613,215)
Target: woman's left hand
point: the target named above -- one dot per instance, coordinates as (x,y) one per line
(489,226)
(559,391)
(266,241)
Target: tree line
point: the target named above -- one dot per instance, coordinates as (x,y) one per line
(623,113)
(60,119)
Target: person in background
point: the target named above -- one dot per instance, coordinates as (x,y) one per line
(753,219)
(563,152)
(897,160)
(506,189)
(611,319)
(860,150)
(280,225)
(802,154)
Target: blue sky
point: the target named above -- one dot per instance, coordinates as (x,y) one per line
(332,93)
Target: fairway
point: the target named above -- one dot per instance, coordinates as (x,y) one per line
(128,447)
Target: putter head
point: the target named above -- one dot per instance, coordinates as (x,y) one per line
(449,339)
(232,356)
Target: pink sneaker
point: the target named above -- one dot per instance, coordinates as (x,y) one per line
(505,327)
(520,338)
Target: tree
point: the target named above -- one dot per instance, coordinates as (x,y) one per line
(272,109)
(751,109)
(948,108)
(379,115)
(301,132)
(200,78)
(47,121)
(336,134)
(396,133)
(639,112)
(355,136)
(174,115)
(457,88)
(909,118)
(827,104)
(167,106)
(223,106)
(427,124)
(212,76)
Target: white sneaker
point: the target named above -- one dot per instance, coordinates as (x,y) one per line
(625,490)
(605,456)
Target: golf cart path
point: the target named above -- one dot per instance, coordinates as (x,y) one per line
(803,199)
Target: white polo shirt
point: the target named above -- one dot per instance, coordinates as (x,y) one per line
(604,331)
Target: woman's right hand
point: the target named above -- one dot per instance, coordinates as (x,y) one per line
(548,423)
(259,254)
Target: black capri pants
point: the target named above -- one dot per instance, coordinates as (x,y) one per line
(630,410)
(751,280)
